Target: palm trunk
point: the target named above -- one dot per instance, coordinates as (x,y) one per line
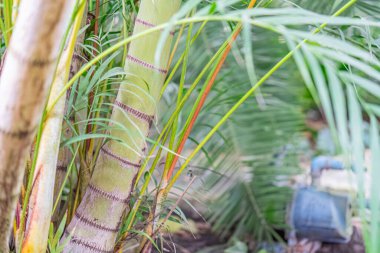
(64,154)
(41,199)
(25,79)
(97,220)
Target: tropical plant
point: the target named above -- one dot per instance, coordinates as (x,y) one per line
(238,83)
(119,160)
(41,194)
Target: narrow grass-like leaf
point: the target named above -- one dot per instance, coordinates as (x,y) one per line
(365,83)
(357,149)
(323,92)
(339,105)
(375,174)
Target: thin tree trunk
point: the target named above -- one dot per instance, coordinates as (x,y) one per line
(41,199)
(64,154)
(24,83)
(97,220)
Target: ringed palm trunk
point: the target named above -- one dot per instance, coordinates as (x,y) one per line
(97,219)
(24,82)
(41,199)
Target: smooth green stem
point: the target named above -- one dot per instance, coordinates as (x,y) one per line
(179,98)
(4,31)
(178,63)
(7,10)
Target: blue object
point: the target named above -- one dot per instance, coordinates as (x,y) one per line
(321,216)
(321,163)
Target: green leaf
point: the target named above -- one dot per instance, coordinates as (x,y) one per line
(238,247)
(339,105)
(372,87)
(357,149)
(320,83)
(375,189)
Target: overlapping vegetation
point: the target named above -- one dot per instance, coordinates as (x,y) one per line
(107,123)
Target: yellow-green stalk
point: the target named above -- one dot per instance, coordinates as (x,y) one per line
(64,154)
(96,223)
(26,76)
(15,6)
(41,199)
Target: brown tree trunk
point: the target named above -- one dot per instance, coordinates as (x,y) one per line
(24,82)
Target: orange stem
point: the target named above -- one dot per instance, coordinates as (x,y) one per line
(204,96)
